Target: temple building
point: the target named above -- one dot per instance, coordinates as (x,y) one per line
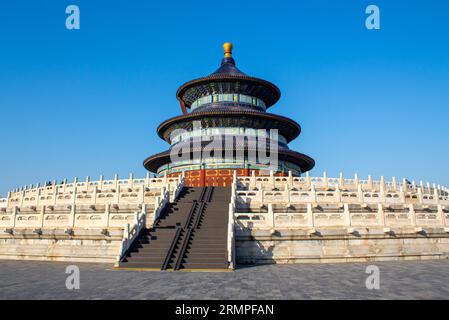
(230,107)
(229,192)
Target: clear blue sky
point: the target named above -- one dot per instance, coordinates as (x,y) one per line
(87,102)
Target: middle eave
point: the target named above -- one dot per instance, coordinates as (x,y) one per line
(289,128)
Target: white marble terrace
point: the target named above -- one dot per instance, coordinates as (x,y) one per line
(86,204)
(314,203)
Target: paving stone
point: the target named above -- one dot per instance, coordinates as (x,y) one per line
(398,280)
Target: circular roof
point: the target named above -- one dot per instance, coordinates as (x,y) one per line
(228,79)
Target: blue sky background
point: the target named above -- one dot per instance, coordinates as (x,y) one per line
(87,102)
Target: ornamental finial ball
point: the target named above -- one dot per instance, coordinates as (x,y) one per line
(227,47)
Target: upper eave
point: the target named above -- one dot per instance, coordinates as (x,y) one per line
(262,89)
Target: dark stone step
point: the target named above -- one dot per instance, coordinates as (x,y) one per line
(188,265)
(138,265)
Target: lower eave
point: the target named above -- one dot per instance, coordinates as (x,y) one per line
(305,162)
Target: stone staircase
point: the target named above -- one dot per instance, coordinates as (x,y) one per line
(190,234)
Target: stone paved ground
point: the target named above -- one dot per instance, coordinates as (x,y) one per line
(398,280)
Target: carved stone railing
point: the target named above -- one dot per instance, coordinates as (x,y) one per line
(342,183)
(312,216)
(289,195)
(178,187)
(130,234)
(127,191)
(161,203)
(55,217)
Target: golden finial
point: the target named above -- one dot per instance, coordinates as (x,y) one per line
(227,47)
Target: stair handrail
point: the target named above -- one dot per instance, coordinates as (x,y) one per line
(198,216)
(231,227)
(190,214)
(231,237)
(203,192)
(208,194)
(130,234)
(172,248)
(183,248)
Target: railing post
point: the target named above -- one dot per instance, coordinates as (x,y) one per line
(412,215)
(441,215)
(271,215)
(347,215)
(42,215)
(14,215)
(360,193)
(313,193)
(309,184)
(72,216)
(395,184)
(337,193)
(370,182)
(290,179)
(341,179)
(325,181)
(310,220)
(253,179)
(380,212)
(420,198)
(107,214)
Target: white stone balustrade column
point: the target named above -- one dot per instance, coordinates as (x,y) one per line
(404,185)
(341,180)
(41,217)
(360,193)
(412,214)
(395,185)
(117,194)
(310,220)
(420,198)
(107,214)
(347,215)
(381,213)
(440,215)
(313,193)
(101,181)
(147,180)
(402,194)
(260,193)
(131,180)
(290,179)
(22,196)
(436,195)
(116,185)
(382,183)
(271,215)
(14,216)
(253,179)
(370,182)
(55,193)
(325,181)
(142,194)
(72,219)
(337,193)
